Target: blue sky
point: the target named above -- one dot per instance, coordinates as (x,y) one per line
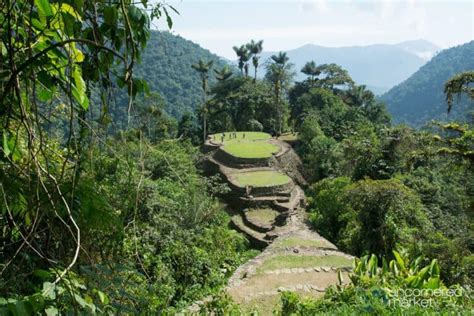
(219,25)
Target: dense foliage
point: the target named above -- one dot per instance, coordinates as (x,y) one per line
(98,217)
(397,287)
(409,189)
(166,65)
(420,98)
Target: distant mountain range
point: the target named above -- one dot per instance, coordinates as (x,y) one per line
(420,98)
(379,67)
(166,65)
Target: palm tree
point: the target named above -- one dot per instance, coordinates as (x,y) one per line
(310,69)
(203,69)
(255,48)
(280,59)
(280,74)
(243,54)
(361,97)
(223,74)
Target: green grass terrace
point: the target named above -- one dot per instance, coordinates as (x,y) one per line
(250,149)
(260,178)
(304,261)
(246,144)
(239,136)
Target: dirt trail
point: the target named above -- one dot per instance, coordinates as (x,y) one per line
(294,257)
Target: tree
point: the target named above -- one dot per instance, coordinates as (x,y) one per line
(369,216)
(203,69)
(239,103)
(457,85)
(310,69)
(185,125)
(280,74)
(359,96)
(53,56)
(255,48)
(459,139)
(243,55)
(334,75)
(223,74)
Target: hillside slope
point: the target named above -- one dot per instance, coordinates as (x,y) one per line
(166,65)
(269,209)
(380,67)
(420,98)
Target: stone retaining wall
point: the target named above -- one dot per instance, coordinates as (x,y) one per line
(291,164)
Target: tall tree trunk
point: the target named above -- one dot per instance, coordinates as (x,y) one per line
(204,124)
(204,109)
(277,94)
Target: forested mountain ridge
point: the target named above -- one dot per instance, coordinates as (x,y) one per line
(420,98)
(380,66)
(166,66)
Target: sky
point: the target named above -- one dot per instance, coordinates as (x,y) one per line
(287,24)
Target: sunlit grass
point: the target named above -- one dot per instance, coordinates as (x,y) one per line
(303,261)
(261,178)
(262,215)
(300,242)
(229,136)
(250,149)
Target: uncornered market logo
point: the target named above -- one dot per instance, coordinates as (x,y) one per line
(426,297)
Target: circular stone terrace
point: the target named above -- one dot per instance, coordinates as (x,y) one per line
(246,144)
(259,178)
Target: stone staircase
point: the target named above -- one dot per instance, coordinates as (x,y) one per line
(273,218)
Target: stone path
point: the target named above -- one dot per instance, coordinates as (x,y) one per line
(294,257)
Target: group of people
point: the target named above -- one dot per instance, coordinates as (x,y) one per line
(233,135)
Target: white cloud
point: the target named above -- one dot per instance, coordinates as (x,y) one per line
(286,24)
(318,6)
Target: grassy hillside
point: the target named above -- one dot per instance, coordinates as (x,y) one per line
(166,65)
(420,98)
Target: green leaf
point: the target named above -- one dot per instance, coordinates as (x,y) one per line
(372,266)
(169,21)
(423,274)
(385,268)
(134,13)
(6,148)
(51,311)
(433,283)
(81,301)
(49,290)
(399,260)
(110,15)
(103,298)
(66,8)
(22,308)
(38,24)
(37,302)
(79,88)
(434,268)
(44,8)
(43,274)
(44,94)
